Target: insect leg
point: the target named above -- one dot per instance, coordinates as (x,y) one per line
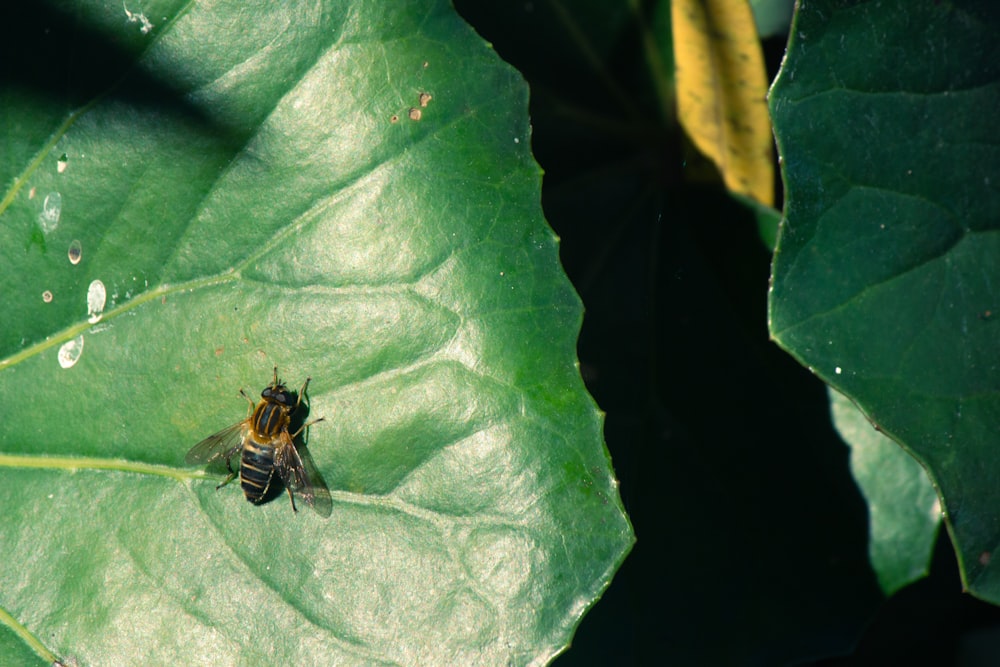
(249,400)
(304,426)
(302,392)
(232,473)
(292,498)
(232,476)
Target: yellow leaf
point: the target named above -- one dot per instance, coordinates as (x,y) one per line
(722,92)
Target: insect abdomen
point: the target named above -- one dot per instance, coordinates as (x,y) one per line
(256,470)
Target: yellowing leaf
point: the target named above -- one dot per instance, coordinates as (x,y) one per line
(721,91)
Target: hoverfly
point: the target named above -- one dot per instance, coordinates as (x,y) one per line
(266,447)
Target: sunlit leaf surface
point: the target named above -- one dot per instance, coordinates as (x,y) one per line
(196,192)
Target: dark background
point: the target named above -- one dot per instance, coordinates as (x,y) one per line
(752,536)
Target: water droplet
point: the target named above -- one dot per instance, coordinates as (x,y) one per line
(47,296)
(75,252)
(48,219)
(70,352)
(96,296)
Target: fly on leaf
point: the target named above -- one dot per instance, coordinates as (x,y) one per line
(267,450)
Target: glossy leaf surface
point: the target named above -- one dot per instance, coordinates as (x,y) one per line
(318,187)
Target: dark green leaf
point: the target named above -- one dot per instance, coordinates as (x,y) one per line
(345,191)
(885,272)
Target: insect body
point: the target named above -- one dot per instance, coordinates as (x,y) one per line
(267,448)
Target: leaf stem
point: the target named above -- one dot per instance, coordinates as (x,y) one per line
(25,634)
(42,154)
(75,330)
(88,463)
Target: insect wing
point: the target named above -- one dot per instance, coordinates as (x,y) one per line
(300,475)
(218,447)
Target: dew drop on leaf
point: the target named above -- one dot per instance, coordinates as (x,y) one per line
(75,252)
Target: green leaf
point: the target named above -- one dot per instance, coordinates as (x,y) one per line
(885,272)
(345,191)
(903,509)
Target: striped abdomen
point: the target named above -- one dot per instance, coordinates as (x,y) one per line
(256,470)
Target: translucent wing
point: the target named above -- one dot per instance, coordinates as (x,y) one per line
(299,474)
(220,447)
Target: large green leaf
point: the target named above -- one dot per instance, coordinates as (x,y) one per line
(344,190)
(885,275)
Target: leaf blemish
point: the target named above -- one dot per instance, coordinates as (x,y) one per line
(97,295)
(70,352)
(48,219)
(138,17)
